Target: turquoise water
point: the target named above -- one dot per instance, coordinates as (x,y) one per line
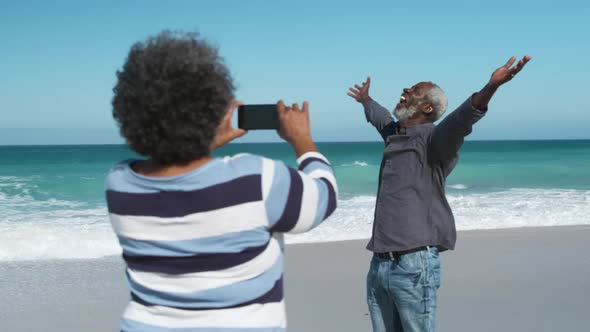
(51,197)
(485,165)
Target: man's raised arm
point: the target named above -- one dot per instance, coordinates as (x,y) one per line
(450,133)
(376,114)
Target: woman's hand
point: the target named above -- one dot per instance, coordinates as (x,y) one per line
(294,127)
(226,132)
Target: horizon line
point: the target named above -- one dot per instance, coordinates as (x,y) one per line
(283,142)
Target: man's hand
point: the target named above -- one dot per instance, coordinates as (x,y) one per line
(505,73)
(500,76)
(226,132)
(294,127)
(361,93)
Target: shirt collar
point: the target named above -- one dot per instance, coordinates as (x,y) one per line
(401,130)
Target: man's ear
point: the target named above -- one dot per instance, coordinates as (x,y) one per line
(427,109)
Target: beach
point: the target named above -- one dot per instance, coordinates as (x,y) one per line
(128,161)
(521,279)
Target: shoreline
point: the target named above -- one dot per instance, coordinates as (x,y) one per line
(521,279)
(305,242)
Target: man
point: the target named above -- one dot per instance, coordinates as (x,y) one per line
(413,220)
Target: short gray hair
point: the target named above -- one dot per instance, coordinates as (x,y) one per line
(437,98)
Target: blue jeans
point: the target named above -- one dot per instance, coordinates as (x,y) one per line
(401,293)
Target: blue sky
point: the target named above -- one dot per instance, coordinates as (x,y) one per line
(59,59)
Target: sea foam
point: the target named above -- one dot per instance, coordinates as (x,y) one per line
(493,210)
(57,229)
(458,186)
(356,163)
(53,229)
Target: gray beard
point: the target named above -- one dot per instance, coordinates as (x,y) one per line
(404,113)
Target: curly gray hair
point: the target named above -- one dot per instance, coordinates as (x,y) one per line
(170,96)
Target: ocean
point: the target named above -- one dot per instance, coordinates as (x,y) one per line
(52,197)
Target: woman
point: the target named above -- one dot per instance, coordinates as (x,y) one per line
(197,231)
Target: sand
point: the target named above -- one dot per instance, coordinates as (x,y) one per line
(530,279)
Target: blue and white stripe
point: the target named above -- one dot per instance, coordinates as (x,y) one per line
(253,317)
(199,247)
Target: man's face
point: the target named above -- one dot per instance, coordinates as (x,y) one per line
(410,100)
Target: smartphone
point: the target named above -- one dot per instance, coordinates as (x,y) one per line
(254,117)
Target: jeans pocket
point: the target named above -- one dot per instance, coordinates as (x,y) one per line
(433,252)
(373,268)
(412,287)
(411,263)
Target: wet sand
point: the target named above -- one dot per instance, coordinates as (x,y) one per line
(530,279)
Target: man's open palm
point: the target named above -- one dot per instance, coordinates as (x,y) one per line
(507,71)
(361,93)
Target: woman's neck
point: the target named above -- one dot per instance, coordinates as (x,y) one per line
(152,168)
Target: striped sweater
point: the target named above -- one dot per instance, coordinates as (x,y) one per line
(203,249)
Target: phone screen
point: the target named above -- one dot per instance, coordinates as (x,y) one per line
(253,117)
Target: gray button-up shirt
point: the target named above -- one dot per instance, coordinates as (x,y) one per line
(411,209)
